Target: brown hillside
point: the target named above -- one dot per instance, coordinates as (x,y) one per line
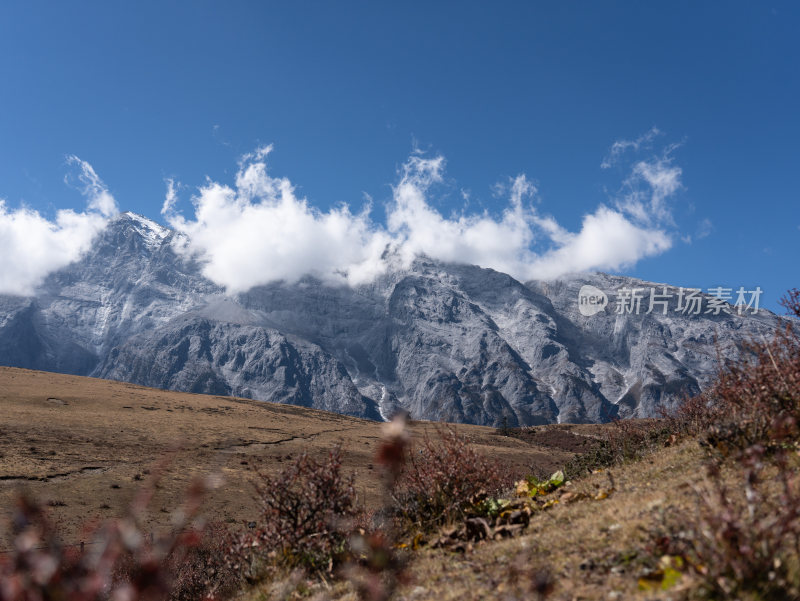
(83,445)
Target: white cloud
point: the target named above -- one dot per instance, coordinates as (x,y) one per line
(418,229)
(259,231)
(32,246)
(607,240)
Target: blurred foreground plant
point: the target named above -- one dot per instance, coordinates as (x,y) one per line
(122,564)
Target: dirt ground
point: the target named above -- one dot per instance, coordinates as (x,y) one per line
(85,447)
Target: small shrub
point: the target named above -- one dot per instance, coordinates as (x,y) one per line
(623,441)
(200,566)
(754,402)
(742,540)
(441,480)
(693,415)
(306,515)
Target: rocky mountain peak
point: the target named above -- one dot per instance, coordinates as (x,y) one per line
(442,341)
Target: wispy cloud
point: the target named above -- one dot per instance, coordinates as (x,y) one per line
(652,182)
(92,187)
(32,246)
(704,229)
(620,147)
(171,198)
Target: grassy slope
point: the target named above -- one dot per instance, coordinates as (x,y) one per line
(593,549)
(82,442)
(55,426)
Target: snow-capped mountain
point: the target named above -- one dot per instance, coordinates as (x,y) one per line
(443,341)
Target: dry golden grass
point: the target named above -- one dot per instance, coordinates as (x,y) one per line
(69,440)
(589,549)
(82,444)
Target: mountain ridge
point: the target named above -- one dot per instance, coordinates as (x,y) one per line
(442,341)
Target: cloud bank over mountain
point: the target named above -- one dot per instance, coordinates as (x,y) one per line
(258,230)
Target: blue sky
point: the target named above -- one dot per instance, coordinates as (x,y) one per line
(346,93)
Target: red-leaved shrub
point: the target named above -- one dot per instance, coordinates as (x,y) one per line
(307,511)
(742,541)
(442,478)
(756,401)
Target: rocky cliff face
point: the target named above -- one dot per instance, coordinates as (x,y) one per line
(445,342)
